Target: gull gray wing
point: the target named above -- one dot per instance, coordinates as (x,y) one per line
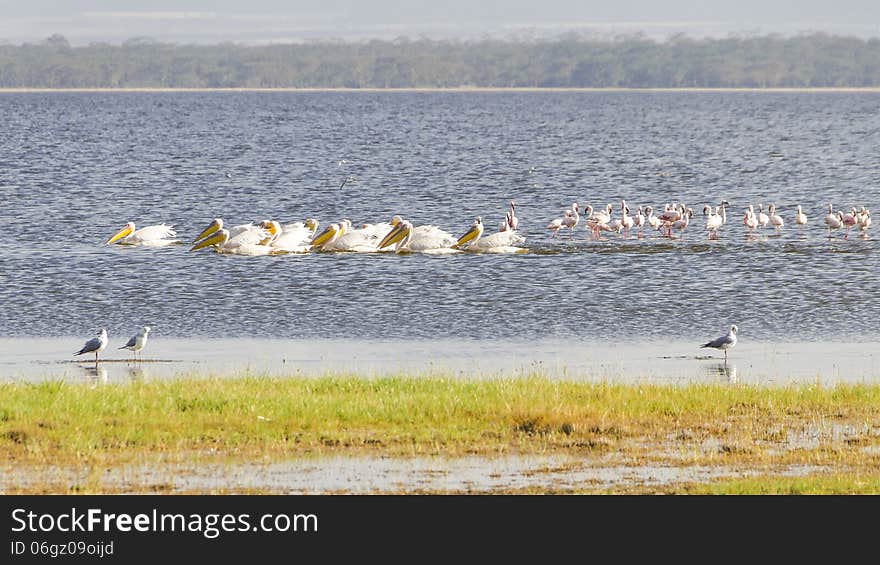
(91,345)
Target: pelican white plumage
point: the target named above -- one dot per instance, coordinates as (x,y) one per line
(291,238)
(364,239)
(499,242)
(138,341)
(407,238)
(156,235)
(249,233)
(325,240)
(222,242)
(95,345)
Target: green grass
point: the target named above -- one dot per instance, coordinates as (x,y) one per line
(58,423)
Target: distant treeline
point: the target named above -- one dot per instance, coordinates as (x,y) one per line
(812,60)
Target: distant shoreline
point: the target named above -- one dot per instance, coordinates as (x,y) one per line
(867,89)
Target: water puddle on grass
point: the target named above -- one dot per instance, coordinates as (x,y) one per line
(375,475)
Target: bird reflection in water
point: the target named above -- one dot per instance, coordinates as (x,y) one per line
(137,374)
(96,373)
(723,371)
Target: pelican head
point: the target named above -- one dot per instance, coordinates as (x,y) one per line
(473,234)
(214,226)
(330,234)
(126,230)
(273,228)
(401,233)
(218,238)
(312,224)
(396,220)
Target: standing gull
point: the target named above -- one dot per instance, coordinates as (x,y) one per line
(95,345)
(724,342)
(138,341)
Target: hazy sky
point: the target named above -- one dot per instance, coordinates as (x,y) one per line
(210,21)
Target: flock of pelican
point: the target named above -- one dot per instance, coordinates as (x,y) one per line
(270,237)
(676,217)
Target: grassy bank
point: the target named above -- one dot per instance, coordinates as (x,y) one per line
(758,428)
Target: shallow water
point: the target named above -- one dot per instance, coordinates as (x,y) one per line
(673,362)
(75,166)
(376,475)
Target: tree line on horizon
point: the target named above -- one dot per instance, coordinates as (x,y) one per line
(570,61)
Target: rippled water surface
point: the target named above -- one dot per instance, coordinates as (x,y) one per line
(75,166)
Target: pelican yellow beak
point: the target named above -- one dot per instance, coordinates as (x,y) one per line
(397,233)
(120,234)
(325,235)
(212,227)
(212,240)
(471,235)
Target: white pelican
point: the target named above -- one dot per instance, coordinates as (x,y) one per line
(421,239)
(799,217)
(95,345)
(775,219)
(724,342)
(157,235)
(138,341)
(364,239)
(241,234)
(473,234)
(324,241)
(224,243)
(291,238)
(500,242)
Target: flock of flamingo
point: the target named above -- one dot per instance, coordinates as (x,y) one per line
(676,217)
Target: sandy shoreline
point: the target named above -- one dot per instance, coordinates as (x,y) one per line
(815,90)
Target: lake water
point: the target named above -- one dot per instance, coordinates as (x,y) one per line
(75,166)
